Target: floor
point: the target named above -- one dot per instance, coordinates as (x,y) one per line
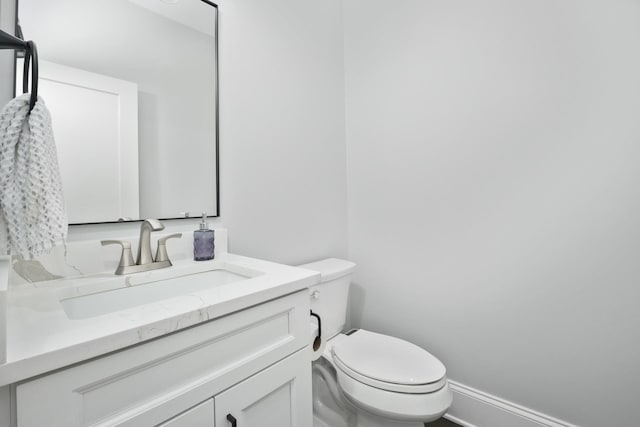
(441,423)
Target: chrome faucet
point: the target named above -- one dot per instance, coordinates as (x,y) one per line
(145,260)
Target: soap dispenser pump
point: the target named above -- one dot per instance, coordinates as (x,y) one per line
(203,241)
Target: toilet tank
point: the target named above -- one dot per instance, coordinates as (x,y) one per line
(329,298)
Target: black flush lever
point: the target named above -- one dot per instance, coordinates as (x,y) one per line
(232,420)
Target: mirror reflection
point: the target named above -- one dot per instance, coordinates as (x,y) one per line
(132,90)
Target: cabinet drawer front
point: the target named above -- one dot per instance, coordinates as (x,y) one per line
(200,416)
(149,383)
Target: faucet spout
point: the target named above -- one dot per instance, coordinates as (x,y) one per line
(144,245)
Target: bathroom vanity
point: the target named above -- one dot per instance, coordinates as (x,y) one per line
(216,343)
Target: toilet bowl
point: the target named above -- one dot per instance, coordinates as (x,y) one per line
(364,378)
(389,377)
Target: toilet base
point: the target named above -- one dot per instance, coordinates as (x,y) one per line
(317,422)
(333,409)
(359,419)
(364,419)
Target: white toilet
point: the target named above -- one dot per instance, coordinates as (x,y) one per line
(366,379)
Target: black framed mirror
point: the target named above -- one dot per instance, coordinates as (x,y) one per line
(132,86)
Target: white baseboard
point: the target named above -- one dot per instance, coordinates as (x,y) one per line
(474,408)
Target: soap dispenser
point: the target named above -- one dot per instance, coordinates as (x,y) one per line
(203,241)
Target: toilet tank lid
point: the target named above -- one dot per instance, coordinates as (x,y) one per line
(330,268)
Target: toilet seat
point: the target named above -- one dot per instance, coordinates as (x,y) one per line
(393,387)
(388,363)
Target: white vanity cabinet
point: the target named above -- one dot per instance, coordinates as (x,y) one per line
(253,364)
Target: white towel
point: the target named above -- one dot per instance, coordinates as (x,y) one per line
(32,214)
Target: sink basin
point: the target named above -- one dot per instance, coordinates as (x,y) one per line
(154,289)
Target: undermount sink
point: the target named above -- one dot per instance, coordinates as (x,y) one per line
(135,291)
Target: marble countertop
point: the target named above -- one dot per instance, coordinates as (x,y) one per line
(41,338)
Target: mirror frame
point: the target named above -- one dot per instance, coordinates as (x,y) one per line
(217,117)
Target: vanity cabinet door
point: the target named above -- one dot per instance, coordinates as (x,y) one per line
(198,416)
(279,396)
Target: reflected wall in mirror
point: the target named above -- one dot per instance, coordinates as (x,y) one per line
(133,94)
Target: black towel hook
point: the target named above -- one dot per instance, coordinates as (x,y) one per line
(7,41)
(32,53)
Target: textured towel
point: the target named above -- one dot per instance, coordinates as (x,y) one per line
(32,215)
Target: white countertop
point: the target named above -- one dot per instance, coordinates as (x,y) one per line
(41,338)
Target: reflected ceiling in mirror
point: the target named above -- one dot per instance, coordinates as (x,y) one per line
(133,94)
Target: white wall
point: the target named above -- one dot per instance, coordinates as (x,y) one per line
(494,197)
(282,151)
(282,128)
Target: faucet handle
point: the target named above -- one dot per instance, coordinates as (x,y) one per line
(161,252)
(126,258)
